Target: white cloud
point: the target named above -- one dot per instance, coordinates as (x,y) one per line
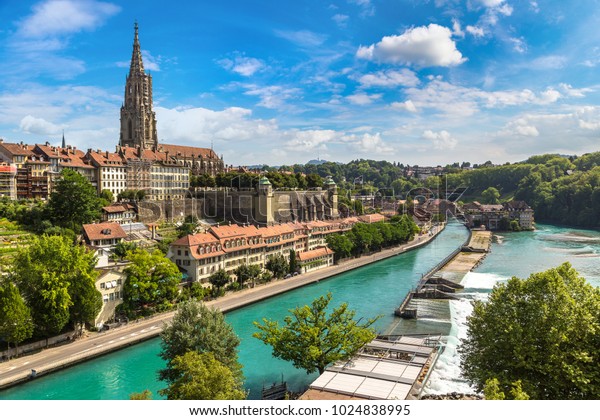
(367,8)
(245,66)
(389,79)
(408,106)
(568,90)
(456,100)
(304,38)
(32,125)
(534,6)
(362,98)
(476,31)
(519,44)
(423,46)
(367,143)
(490,3)
(548,62)
(310,140)
(441,140)
(272,97)
(59,17)
(456,29)
(340,20)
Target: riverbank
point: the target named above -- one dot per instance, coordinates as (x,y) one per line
(96,344)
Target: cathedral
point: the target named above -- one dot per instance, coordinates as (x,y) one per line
(138,125)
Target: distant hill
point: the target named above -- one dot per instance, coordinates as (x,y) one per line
(316,162)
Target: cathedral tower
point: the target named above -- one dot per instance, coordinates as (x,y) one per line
(138,121)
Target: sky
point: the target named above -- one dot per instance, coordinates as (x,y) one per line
(421,82)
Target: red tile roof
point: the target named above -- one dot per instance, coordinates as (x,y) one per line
(99,231)
(188,151)
(315,253)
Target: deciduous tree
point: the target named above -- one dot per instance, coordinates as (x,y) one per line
(16,324)
(151,280)
(200,376)
(198,328)
(74,201)
(312,339)
(543,331)
(56,279)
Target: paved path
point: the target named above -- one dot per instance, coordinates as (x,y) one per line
(95,344)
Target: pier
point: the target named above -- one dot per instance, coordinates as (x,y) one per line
(444,279)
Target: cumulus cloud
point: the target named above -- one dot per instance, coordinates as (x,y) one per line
(367,143)
(310,139)
(568,90)
(389,79)
(423,46)
(441,140)
(408,106)
(367,8)
(32,125)
(245,66)
(456,29)
(59,17)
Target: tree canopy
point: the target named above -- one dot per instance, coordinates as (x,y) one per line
(56,279)
(200,376)
(16,324)
(73,201)
(203,330)
(543,331)
(151,281)
(312,339)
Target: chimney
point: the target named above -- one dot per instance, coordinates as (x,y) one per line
(107,154)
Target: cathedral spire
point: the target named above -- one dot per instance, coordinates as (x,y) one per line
(137,65)
(64,144)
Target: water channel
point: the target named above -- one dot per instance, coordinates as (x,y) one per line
(371,290)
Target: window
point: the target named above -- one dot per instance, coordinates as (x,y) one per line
(187,253)
(179,252)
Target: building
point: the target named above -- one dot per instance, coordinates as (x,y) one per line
(122,213)
(521,212)
(138,128)
(103,235)
(111,171)
(387,368)
(8,185)
(228,247)
(110,284)
(499,216)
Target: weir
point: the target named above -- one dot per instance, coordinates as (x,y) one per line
(445,277)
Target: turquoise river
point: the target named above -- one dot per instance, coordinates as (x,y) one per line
(372,290)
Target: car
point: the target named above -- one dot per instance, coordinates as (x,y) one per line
(287,276)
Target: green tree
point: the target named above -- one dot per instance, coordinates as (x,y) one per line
(314,181)
(311,339)
(144,395)
(492,391)
(219,279)
(16,324)
(107,197)
(123,248)
(56,279)
(293,264)
(246,272)
(278,265)
(151,280)
(203,330)
(73,201)
(542,331)
(200,376)
(340,244)
(491,196)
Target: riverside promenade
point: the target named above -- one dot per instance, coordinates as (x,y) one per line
(95,344)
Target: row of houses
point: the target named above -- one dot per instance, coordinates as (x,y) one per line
(219,247)
(228,247)
(29,171)
(493,216)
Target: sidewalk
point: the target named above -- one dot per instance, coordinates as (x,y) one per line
(95,344)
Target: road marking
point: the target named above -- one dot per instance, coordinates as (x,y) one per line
(111,341)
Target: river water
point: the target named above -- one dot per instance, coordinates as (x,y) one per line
(373,290)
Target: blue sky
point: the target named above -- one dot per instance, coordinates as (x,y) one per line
(277,82)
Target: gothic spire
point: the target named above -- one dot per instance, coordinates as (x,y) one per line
(64,144)
(137,65)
